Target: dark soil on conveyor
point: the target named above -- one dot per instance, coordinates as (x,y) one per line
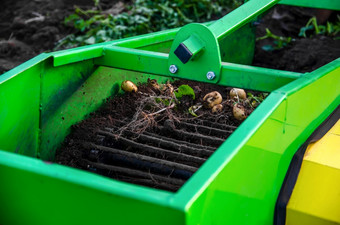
(160,151)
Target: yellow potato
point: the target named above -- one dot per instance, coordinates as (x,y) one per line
(217,108)
(239,112)
(129,86)
(153,83)
(237,92)
(211,99)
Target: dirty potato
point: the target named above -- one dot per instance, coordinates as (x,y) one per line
(129,86)
(154,84)
(237,92)
(217,108)
(211,99)
(239,112)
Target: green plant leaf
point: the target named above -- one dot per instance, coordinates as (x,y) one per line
(330,29)
(184,90)
(143,16)
(90,41)
(303,30)
(279,42)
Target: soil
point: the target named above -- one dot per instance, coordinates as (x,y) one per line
(302,54)
(321,50)
(30,27)
(141,143)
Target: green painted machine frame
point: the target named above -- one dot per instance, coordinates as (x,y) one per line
(238,184)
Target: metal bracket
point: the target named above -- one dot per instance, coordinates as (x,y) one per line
(195,52)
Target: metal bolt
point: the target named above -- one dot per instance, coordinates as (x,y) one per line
(211,75)
(173,69)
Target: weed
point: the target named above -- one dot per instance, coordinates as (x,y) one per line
(330,29)
(255,100)
(279,42)
(144,16)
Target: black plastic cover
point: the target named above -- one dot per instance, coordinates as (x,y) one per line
(183,53)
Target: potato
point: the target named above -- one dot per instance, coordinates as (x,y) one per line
(153,83)
(237,92)
(168,89)
(129,86)
(217,108)
(211,99)
(239,112)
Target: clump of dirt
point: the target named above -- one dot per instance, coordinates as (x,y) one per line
(152,139)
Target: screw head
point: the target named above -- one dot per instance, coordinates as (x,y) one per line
(173,69)
(211,75)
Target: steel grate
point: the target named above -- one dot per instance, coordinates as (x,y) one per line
(162,158)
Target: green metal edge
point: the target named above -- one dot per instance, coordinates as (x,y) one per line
(23,67)
(75,197)
(20,108)
(239,17)
(93,51)
(255,78)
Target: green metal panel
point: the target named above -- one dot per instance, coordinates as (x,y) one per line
(19,108)
(134,59)
(255,78)
(163,47)
(239,46)
(36,192)
(58,83)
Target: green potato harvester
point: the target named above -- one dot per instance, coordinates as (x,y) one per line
(245,181)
